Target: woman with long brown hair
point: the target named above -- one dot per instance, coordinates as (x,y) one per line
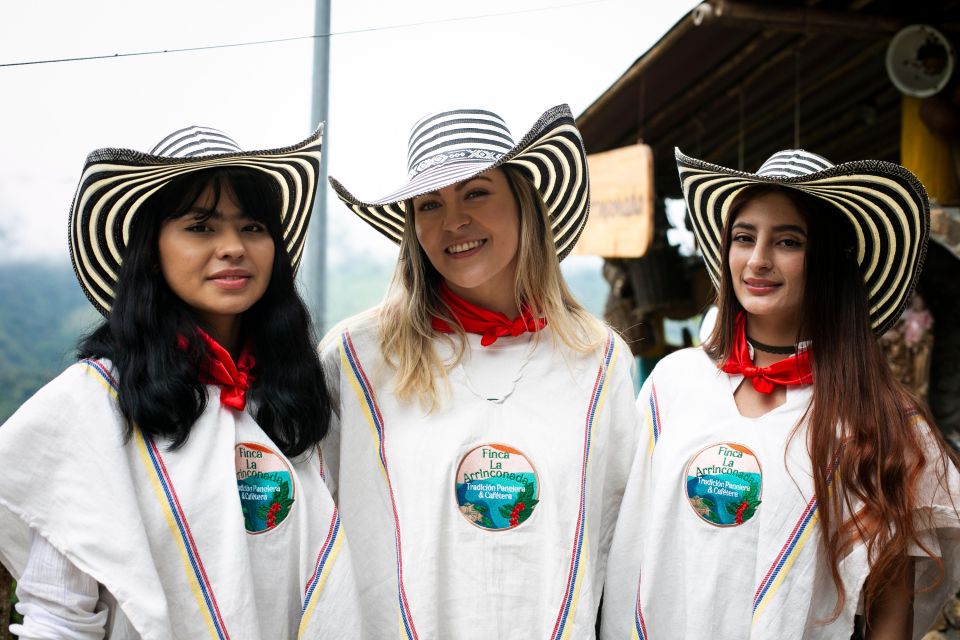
(804,492)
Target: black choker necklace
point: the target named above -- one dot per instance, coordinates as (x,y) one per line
(781,351)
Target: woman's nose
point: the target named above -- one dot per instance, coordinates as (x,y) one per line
(230,244)
(760,257)
(455,216)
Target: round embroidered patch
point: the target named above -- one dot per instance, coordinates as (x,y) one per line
(266,486)
(496,487)
(724,484)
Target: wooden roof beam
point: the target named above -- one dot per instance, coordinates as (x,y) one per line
(757,121)
(803,19)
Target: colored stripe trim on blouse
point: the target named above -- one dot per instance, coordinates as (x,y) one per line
(166,494)
(325,561)
(572,590)
(791,549)
(640,626)
(785,559)
(364,391)
(652,418)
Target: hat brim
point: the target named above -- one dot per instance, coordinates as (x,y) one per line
(116,182)
(884,203)
(551,154)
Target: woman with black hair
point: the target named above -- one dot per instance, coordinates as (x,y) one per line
(169,484)
(791,488)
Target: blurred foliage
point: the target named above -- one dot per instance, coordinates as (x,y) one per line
(42,314)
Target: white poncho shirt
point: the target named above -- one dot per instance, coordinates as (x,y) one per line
(222,538)
(491,516)
(718,534)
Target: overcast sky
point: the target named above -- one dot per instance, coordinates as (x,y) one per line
(390,62)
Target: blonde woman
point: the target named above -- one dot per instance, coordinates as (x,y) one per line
(486,420)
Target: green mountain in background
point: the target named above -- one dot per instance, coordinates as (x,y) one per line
(43,313)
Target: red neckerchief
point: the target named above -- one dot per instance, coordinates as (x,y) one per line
(233,379)
(489,324)
(794,370)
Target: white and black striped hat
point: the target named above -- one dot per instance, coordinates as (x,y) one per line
(116,182)
(884,203)
(453,146)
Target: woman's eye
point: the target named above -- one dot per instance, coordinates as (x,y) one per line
(475,193)
(255,228)
(198,227)
(427,205)
(791,243)
(742,237)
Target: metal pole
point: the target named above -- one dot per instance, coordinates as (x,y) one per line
(316,273)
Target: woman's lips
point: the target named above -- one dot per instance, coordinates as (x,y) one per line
(231,279)
(760,287)
(464,249)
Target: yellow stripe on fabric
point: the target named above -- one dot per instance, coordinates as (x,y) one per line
(364,405)
(603,394)
(572,614)
(327,570)
(174,530)
(96,375)
(585,543)
(794,554)
(165,508)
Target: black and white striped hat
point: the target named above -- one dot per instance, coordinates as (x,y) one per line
(453,146)
(884,203)
(116,182)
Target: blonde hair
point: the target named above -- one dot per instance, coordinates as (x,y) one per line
(405,332)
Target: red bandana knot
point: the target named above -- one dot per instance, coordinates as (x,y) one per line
(491,325)
(791,371)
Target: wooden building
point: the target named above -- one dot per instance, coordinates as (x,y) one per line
(733,82)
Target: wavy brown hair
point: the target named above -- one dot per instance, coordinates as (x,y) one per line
(867,472)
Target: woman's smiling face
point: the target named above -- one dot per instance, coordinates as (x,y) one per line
(767,259)
(216,258)
(470,232)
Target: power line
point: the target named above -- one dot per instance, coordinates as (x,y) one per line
(230,45)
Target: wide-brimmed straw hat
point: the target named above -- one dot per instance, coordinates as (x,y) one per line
(116,182)
(885,205)
(453,146)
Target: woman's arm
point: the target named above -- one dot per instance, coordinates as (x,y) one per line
(56,599)
(890,616)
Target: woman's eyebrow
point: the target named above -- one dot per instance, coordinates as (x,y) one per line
(460,185)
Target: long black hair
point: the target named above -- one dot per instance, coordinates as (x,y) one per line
(159,390)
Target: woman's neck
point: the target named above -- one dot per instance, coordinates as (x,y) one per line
(226,331)
(771,331)
(490,298)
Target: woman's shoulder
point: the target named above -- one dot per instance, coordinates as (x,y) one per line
(82,377)
(684,366)
(86,387)
(361,328)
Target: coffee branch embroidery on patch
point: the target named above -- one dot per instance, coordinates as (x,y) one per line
(724,484)
(496,487)
(266,486)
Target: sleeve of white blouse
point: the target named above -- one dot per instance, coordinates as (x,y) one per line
(621,612)
(937,520)
(330,445)
(56,599)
